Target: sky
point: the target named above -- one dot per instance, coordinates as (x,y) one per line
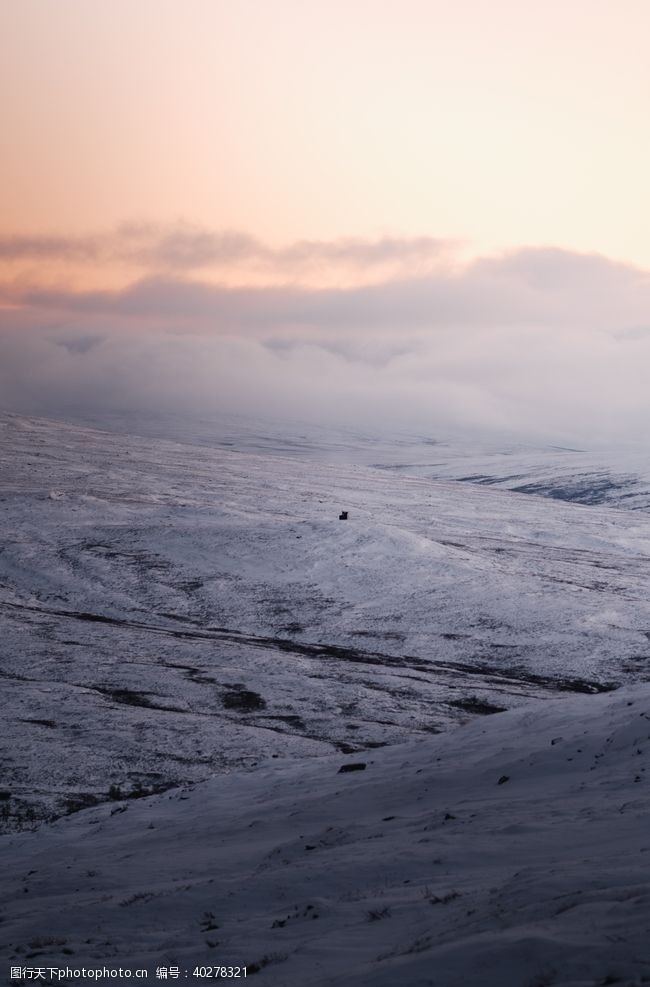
(413,211)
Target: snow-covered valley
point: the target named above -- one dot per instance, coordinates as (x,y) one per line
(190,618)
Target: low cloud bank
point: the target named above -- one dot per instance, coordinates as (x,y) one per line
(540,343)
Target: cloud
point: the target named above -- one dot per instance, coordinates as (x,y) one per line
(539,342)
(184,247)
(16,248)
(526,287)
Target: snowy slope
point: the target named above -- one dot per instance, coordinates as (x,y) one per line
(618,476)
(511,852)
(170,610)
(613,477)
(190,618)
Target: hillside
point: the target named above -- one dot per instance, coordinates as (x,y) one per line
(514,850)
(193,645)
(170,610)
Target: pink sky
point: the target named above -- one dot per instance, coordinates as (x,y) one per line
(373,178)
(496,122)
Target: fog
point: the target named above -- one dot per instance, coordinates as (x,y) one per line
(540,343)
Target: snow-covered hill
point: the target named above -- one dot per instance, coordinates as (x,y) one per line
(193,645)
(617,476)
(511,852)
(170,610)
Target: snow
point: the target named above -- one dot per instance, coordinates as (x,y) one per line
(421,869)
(193,644)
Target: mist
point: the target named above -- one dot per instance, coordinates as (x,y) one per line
(539,343)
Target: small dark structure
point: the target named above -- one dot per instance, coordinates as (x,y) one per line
(343,516)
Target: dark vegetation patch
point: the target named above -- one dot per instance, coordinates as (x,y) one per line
(139,790)
(198,675)
(478,669)
(140,896)
(289,718)
(381,635)
(592,490)
(472,704)
(78,801)
(376,914)
(191,585)
(244,700)
(324,652)
(346,748)
(128,697)
(485,480)
(17,815)
(442,899)
(265,961)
